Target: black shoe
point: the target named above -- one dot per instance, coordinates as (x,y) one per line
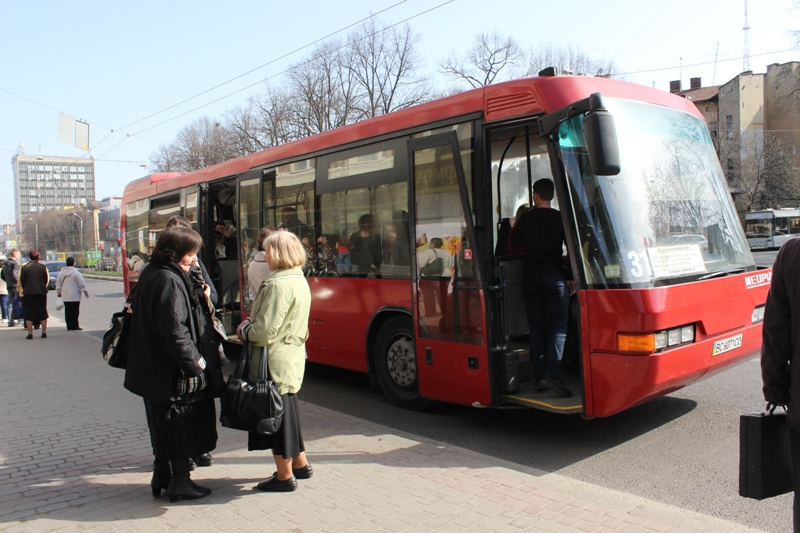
(182,486)
(273,485)
(204,459)
(30,336)
(541,386)
(192,465)
(299,473)
(558,387)
(162,477)
(44,335)
(303,472)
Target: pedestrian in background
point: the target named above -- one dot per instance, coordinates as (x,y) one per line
(166,365)
(10,275)
(780,351)
(280,322)
(3,291)
(70,285)
(33,281)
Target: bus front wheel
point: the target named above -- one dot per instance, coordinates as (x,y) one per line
(396,364)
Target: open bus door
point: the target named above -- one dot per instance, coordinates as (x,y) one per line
(448,308)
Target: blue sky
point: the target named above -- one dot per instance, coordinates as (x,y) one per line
(114,64)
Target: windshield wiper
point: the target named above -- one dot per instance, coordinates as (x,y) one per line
(723,274)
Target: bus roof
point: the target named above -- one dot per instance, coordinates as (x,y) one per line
(517,98)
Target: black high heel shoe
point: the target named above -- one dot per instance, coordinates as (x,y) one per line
(162,477)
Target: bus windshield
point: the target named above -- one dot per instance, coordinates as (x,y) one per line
(668,216)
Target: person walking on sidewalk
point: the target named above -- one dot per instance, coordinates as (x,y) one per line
(545,289)
(10,274)
(69,287)
(3,291)
(33,281)
(280,322)
(165,364)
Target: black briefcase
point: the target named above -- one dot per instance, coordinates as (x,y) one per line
(765,460)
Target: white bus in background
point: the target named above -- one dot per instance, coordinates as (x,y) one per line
(771,228)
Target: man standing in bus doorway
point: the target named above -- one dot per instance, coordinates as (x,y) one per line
(780,352)
(545,287)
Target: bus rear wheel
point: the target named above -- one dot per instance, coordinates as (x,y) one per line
(396,364)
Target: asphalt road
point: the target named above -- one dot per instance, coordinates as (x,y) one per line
(681,449)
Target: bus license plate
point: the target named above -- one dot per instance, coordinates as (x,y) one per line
(727,345)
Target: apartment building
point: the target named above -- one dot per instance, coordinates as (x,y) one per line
(50,182)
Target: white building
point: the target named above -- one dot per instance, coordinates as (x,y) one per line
(50,182)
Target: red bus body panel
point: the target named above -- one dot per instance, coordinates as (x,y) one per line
(720,308)
(341,312)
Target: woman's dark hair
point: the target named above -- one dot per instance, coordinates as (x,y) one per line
(178,220)
(33,255)
(174,243)
(70,261)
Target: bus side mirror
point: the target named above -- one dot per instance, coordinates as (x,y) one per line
(601,141)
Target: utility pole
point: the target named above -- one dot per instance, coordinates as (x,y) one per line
(37,232)
(83,248)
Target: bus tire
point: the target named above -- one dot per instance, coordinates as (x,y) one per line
(396,364)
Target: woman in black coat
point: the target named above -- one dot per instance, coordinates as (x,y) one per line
(173,364)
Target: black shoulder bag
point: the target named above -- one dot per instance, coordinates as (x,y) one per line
(257,409)
(113,347)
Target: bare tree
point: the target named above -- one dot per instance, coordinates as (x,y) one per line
(323,91)
(482,64)
(765,172)
(569,58)
(60,231)
(383,64)
(163,159)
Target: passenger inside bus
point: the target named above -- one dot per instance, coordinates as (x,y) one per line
(366,249)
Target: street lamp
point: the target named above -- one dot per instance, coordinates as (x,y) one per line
(83,252)
(37,232)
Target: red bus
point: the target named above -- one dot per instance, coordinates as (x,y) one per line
(634,168)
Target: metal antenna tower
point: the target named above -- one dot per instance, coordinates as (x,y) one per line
(746,56)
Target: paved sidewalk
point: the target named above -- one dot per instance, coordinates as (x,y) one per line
(75,456)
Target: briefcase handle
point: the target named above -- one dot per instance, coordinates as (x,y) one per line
(772,406)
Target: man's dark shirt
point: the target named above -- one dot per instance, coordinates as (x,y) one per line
(541,231)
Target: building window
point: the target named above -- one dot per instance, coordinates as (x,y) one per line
(708,109)
(729,173)
(729,126)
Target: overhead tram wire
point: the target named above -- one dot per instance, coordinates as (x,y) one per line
(268,78)
(704,63)
(641,30)
(264,65)
(112,130)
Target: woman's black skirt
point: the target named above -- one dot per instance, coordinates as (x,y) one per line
(180,431)
(288,440)
(34,307)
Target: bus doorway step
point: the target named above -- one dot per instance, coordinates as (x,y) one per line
(548,400)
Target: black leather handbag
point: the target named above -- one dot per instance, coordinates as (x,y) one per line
(255,408)
(765,459)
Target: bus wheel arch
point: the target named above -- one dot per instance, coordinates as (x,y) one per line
(393,360)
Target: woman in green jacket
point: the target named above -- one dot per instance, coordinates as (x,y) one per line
(279,321)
